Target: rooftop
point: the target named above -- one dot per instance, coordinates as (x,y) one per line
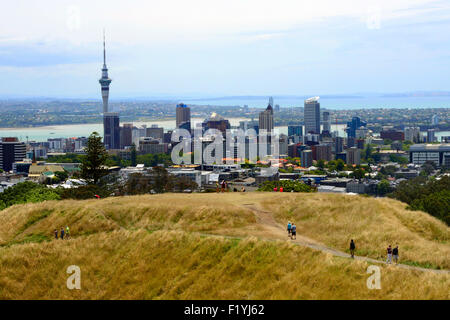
(430,147)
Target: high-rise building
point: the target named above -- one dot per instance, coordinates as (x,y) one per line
(413,134)
(155,132)
(306,158)
(153,146)
(126,135)
(312,115)
(216,121)
(111,133)
(356,123)
(295,131)
(326,122)
(183,116)
(11,150)
(430,135)
(105,81)
(353,156)
(338,144)
(266,118)
(283,144)
(322,152)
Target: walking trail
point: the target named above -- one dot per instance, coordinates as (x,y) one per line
(278,232)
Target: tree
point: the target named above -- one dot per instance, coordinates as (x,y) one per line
(133,155)
(340,164)
(428,167)
(93,163)
(321,164)
(161,179)
(359,174)
(368,152)
(383,187)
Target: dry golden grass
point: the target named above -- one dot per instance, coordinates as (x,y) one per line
(177,265)
(372,223)
(151,247)
(187,212)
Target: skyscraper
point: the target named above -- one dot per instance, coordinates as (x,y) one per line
(326,122)
(266,118)
(104,80)
(111,133)
(312,115)
(295,130)
(353,155)
(306,158)
(11,150)
(126,135)
(430,135)
(353,125)
(183,116)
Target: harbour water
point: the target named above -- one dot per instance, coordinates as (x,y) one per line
(84,130)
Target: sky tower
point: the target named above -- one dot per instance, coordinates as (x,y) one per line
(105,81)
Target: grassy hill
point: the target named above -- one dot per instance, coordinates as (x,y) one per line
(219,246)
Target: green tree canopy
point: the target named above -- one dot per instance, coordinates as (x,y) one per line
(93,163)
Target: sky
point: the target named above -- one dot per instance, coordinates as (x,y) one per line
(207,48)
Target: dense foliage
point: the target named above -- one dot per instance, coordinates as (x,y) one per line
(27,192)
(93,163)
(287,185)
(432,196)
(156,180)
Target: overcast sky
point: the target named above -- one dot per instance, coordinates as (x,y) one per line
(218,48)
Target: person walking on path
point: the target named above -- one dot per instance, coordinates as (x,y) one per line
(67,232)
(294,231)
(62,233)
(389,254)
(289,228)
(352,248)
(395,254)
(56,233)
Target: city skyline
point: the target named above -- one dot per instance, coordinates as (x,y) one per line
(377,47)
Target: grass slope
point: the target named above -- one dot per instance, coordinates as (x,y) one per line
(155,247)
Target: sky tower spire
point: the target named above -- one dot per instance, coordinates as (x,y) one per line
(105,81)
(104,49)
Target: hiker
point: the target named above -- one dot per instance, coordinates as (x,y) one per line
(281,189)
(352,248)
(67,232)
(62,233)
(56,233)
(289,228)
(294,231)
(395,254)
(389,255)
(222,185)
(275,189)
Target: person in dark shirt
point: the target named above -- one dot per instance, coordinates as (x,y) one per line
(389,254)
(56,233)
(352,248)
(395,254)
(294,231)
(62,233)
